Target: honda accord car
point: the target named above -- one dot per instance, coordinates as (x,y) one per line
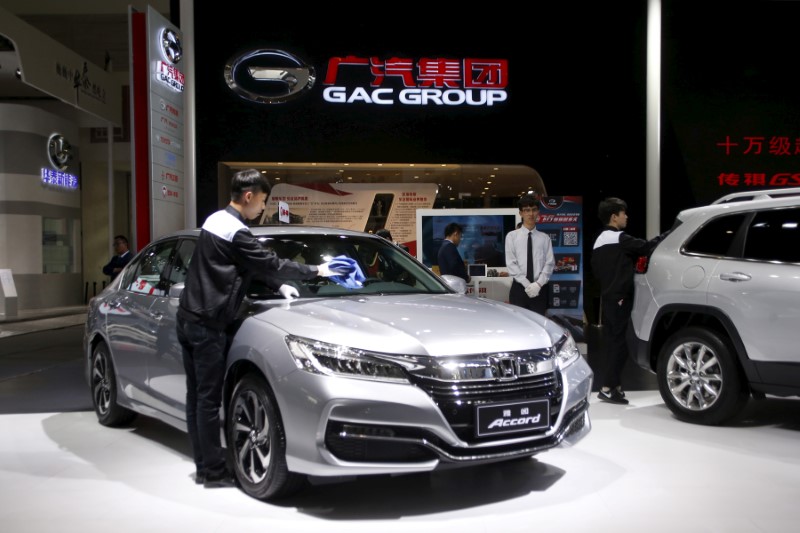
(394,371)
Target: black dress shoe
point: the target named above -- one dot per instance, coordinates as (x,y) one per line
(222,482)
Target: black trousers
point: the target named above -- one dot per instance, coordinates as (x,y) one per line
(616,317)
(204,352)
(517,296)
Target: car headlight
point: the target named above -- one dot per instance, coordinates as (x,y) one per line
(335,360)
(567,351)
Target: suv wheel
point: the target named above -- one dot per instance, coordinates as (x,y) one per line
(698,377)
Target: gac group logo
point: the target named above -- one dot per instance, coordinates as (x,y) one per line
(59,151)
(171,46)
(269,76)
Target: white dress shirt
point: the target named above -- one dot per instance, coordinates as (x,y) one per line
(517,256)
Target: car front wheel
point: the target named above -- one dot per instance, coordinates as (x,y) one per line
(257,442)
(699,378)
(104,389)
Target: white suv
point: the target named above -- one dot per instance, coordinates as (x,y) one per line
(716,311)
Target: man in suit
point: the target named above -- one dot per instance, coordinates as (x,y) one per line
(122,255)
(450,261)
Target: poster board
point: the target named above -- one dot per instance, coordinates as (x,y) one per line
(354,206)
(561,217)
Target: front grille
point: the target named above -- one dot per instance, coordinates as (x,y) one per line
(457,385)
(457,401)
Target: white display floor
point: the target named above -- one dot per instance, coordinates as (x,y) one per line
(639,470)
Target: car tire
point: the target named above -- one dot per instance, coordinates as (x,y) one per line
(104,388)
(257,442)
(699,378)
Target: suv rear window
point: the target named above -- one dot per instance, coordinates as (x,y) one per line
(774,235)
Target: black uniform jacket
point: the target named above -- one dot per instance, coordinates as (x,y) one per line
(226,258)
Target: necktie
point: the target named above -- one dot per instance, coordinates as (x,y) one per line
(529,273)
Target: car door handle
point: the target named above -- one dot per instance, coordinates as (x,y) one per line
(735,276)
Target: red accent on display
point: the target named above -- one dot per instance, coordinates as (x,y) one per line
(141,129)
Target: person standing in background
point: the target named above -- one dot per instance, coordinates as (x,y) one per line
(122,256)
(386,234)
(613,258)
(529,259)
(449,259)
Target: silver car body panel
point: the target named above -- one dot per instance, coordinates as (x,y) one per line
(309,401)
(760,297)
(143,345)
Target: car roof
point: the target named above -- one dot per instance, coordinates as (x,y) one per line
(288,229)
(745,201)
(280,229)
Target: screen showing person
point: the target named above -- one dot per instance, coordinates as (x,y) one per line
(482,241)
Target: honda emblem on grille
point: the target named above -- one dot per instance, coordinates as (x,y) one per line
(506,368)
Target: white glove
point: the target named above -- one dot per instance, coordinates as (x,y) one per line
(325,271)
(288,292)
(532,290)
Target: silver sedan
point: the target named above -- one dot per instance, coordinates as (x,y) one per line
(400,373)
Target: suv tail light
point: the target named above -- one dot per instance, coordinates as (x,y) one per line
(641,264)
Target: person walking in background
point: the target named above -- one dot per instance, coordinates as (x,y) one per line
(226,258)
(122,256)
(449,259)
(529,259)
(614,255)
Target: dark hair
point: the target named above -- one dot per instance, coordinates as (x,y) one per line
(122,238)
(451,228)
(529,200)
(385,233)
(610,206)
(249,179)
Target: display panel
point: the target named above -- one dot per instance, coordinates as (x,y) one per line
(477,270)
(483,239)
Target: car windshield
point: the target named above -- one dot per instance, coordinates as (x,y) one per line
(386,268)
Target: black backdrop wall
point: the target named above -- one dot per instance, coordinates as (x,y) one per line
(576,95)
(575,108)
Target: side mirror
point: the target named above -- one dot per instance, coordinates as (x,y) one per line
(456,283)
(176,290)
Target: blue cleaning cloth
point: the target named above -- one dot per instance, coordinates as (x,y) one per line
(350,276)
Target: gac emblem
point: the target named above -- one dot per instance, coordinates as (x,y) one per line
(171,44)
(59,151)
(269,76)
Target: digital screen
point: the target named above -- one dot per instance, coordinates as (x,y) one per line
(482,241)
(476,270)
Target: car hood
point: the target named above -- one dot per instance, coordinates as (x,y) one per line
(434,325)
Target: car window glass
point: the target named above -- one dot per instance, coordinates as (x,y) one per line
(150,273)
(130,272)
(774,235)
(180,265)
(386,268)
(716,237)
